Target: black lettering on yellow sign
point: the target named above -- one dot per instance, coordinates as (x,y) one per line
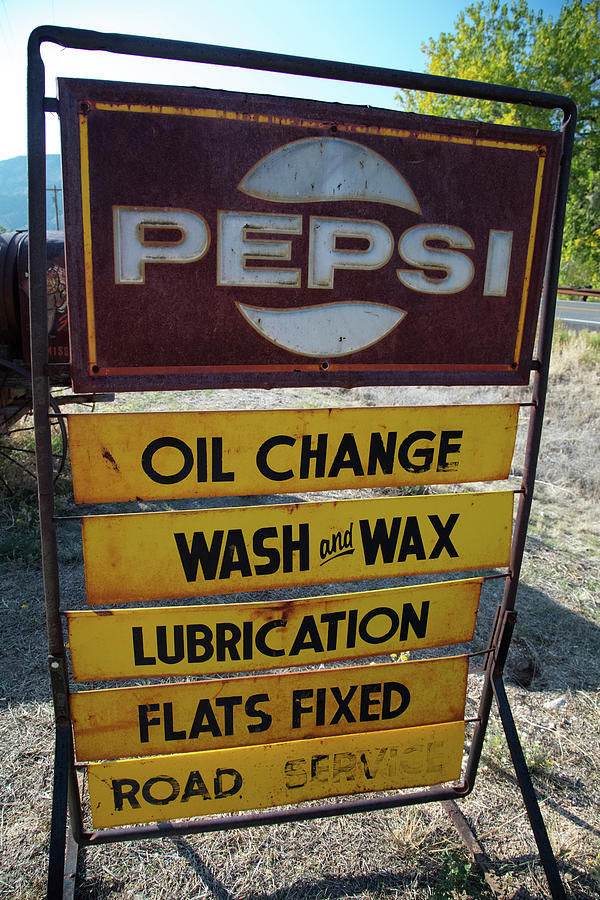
(311,456)
(164,789)
(221,555)
(217,720)
(316,458)
(324,768)
(320,708)
(218,554)
(391,696)
(189,459)
(185,553)
(166,455)
(339,544)
(407,537)
(340,768)
(197,642)
(181,785)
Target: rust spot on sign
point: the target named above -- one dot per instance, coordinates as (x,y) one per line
(107,455)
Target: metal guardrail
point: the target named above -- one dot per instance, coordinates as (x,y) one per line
(584,293)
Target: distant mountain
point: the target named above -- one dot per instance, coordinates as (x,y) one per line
(13,192)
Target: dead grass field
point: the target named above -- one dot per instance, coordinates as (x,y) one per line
(413,853)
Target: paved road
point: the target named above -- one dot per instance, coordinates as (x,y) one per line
(577,314)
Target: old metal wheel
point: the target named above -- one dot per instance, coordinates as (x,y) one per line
(17,437)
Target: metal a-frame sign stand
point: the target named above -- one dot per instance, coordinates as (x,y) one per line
(66,797)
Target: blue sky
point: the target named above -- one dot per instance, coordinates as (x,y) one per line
(386,33)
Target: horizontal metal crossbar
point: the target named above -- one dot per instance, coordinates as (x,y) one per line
(186,51)
(297,814)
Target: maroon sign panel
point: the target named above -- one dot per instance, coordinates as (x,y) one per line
(221,240)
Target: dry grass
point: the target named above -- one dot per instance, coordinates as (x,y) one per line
(408,854)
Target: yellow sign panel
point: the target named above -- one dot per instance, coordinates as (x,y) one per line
(151,456)
(153,556)
(187,785)
(245,637)
(238,712)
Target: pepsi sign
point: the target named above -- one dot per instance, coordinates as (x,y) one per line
(223,240)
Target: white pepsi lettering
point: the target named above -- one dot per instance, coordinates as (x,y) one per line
(133,250)
(498,263)
(236,248)
(457,269)
(325,256)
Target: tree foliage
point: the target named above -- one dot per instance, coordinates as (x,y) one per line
(508,43)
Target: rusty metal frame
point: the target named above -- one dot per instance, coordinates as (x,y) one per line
(66,789)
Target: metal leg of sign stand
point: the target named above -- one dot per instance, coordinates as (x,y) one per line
(480,859)
(64,849)
(64,845)
(71,857)
(498,646)
(58,828)
(530,800)
(506,623)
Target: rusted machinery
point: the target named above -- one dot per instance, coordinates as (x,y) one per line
(17,463)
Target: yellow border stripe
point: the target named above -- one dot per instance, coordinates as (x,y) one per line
(532,234)
(87,237)
(262,119)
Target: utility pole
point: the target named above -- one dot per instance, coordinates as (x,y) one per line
(55,191)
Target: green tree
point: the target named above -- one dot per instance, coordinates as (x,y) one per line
(508,43)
